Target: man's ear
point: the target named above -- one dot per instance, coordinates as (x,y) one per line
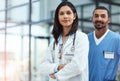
(109,20)
(92,19)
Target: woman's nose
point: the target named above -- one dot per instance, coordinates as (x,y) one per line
(65,16)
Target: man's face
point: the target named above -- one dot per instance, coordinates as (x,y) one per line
(100,19)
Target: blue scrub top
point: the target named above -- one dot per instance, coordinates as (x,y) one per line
(104,57)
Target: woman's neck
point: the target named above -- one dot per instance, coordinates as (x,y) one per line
(66,30)
(64,38)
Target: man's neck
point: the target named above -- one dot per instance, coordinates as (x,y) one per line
(100,33)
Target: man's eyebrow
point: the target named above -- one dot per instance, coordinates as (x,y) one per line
(96,14)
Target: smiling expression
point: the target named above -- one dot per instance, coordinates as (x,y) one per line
(66,16)
(100,19)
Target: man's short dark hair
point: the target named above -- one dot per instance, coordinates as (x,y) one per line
(102,8)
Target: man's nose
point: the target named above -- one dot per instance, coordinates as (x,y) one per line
(99,18)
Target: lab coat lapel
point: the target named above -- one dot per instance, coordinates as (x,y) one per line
(69,41)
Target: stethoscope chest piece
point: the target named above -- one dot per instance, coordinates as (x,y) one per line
(72,49)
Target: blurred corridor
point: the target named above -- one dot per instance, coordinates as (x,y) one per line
(25,33)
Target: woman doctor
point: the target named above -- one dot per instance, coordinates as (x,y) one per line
(67,55)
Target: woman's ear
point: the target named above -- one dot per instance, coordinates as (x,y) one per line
(74,16)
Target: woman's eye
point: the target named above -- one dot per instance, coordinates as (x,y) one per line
(61,13)
(68,12)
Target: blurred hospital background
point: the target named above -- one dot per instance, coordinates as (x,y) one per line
(25,33)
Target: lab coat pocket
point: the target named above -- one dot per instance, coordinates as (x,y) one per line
(51,79)
(68,57)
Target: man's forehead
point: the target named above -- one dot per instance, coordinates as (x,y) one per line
(100,11)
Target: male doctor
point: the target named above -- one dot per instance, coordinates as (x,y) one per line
(104,52)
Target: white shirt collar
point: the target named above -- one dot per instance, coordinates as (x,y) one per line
(97,41)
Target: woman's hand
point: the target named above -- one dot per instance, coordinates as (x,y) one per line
(61,66)
(53,76)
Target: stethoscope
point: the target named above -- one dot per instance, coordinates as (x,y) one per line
(73,45)
(72,48)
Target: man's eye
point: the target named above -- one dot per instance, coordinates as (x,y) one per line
(103,16)
(95,16)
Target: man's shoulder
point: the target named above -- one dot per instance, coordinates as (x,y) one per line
(90,34)
(114,34)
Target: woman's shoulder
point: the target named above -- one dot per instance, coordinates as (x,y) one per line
(51,42)
(81,37)
(80,34)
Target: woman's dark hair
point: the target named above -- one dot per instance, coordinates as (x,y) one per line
(57,27)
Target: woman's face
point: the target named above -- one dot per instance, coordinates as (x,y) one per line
(66,16)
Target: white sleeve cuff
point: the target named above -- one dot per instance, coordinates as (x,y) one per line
(56,77)
(56,69)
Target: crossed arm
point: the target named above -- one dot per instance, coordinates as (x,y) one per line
(59,68)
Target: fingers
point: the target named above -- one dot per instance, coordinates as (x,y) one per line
(61,66)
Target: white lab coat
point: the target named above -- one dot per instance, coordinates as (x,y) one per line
(76,68)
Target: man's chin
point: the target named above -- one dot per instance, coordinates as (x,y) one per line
(99,28)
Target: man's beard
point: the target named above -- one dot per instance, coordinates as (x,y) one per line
(97,27)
